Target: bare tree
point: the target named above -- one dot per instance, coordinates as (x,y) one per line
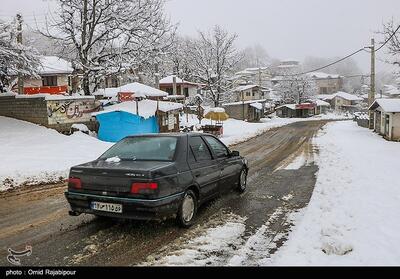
(393,46)
(213,56)
(109,35)
(15,58)
(296,89)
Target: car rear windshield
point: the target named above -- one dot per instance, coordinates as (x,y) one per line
(143,149)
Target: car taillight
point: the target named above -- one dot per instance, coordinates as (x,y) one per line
(143,188)
(75,183)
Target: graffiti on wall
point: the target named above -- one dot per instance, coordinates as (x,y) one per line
(71,111)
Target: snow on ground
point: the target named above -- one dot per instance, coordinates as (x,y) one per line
(32,154)
(353,216)
(37,155)
(237,131)
(210,248)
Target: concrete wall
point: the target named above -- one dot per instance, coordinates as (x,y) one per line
(36,110)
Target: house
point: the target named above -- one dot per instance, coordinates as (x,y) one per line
(55,77)
(137,117)
(387,118)
(342,101)
(248,93)
(134,90)
(251,111)
(259,75)
(183,88)
(296,110)
(321,107)
(327,83)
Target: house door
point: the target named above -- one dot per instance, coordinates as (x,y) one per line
(387,118)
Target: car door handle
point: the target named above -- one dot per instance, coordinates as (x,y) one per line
(197,175)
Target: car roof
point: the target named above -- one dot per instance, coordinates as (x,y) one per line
(171,135)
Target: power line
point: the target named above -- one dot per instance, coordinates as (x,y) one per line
(394,33)
(326,66)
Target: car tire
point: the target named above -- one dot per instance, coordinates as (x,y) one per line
(242,183)
(187,209)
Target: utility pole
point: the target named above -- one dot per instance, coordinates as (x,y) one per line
(371,97)
(19,41)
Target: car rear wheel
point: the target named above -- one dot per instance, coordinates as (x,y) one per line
(242,181)
(187,210)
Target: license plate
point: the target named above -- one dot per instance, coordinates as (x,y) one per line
(107,207)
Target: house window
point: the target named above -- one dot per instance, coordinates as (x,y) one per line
(248,94)
(49,81)
(170,91)
(186,92)
(324,90)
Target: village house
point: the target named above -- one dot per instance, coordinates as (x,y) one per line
(137,117)
(248,93)
(387,118)
(55,77)
(296,110)
(327,83)
(184,89)
(342,101)
(251,111)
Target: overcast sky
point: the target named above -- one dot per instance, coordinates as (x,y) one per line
(285,28)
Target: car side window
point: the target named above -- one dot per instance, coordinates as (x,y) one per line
(219,149)
(200,149)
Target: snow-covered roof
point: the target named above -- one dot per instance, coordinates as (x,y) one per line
(321,103)
(147,108)
(245,102)
(387,105)
(347,96)
(326,96)
(170,80)
(244,87)
(290,106)
(54,65)
(139,89)
(321,75)
(258,106)
(340,94)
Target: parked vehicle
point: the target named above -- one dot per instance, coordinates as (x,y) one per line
(156,176)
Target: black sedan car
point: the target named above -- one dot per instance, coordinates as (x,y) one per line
(155,177)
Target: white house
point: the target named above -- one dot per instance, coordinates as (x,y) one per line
(387,118)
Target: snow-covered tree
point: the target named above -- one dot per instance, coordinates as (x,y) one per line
(108,36)
(213,56)
(15,58)
(254,56)
(296,89)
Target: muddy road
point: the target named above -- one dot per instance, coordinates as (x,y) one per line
(39,216)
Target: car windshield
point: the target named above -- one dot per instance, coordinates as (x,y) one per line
(142,149)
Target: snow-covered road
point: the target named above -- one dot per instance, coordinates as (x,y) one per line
(354,214)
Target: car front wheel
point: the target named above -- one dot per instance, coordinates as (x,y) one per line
(187,209)
(242,181)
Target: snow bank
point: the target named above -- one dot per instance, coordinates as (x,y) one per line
(237,131)
(33,154)
(353,216)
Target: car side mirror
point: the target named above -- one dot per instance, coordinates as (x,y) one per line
(235,154)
